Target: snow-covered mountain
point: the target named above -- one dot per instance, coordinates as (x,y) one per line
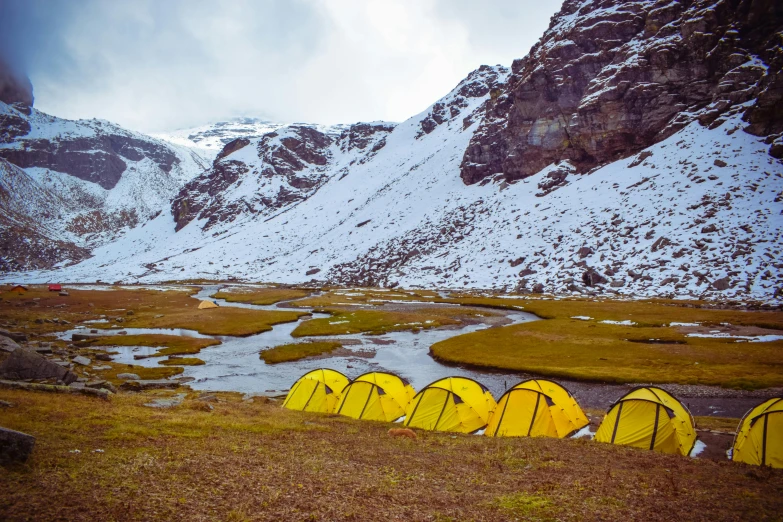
(69,186)
(209,140)
(517,180)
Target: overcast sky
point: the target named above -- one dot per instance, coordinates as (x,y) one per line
(155,65)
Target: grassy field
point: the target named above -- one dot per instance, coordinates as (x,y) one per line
(255,461)
(182,361)
(562,346)
(136,308)
(260,296)
(365,296)
(653,313)
(296,351)
(168,344)
(376,322)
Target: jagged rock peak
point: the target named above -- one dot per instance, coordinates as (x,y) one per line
(611,77)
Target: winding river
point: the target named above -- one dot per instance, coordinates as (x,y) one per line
(235,365)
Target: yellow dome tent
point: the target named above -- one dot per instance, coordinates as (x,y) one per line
(649,418)
(206,304)
(377,396)
(536,408)
(451,404)
(316,391)
(759,439)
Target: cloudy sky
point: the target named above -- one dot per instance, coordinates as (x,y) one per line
(155,65)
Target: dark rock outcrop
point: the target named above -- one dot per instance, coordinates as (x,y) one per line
(26,364)
(611,77)
(98,159)
(294,159)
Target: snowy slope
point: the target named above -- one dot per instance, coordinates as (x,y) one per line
(209,140)
(697,214)
(80,182)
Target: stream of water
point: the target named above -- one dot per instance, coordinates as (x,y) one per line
(235,364)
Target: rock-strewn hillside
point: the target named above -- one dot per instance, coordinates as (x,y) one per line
(692,209)
(68,186)
(611,77)
(260,176)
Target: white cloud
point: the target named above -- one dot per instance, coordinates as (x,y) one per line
(156,66)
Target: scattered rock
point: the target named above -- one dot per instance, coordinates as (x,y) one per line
(592,278)
(208,398)
(130,312)
(721,284)
(103,357)
(128,376)
(153,384)
(719,163)
(82,360)
(6,404)
(64,294)
(538,288)
(709,229)
(16,336)
(101,385)
(312,271)
(15,446)
(617,283)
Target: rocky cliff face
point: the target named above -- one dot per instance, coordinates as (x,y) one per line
(611,77)
(257,177)
(68,186)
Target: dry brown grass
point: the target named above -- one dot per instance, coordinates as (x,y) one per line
(168,344)
(260,296)
(182,361)
(564,347)
(151,309)
(365,296)
(252,461)
(296,351)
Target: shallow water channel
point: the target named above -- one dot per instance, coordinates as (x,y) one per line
(235,364)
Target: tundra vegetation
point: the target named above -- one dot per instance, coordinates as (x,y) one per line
(260,295)
(222,458)
(217,456)
(296,351)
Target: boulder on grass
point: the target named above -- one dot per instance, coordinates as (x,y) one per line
(26,364)
(15,446)
(7,344)
(16,336)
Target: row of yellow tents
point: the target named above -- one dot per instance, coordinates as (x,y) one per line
(646,417)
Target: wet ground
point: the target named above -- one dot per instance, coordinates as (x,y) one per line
(235,364)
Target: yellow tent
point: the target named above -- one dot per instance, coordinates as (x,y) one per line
(536,408)
(451,404)
(206,304)
(759,439)
(375,396)
(649,418)
(317,391)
